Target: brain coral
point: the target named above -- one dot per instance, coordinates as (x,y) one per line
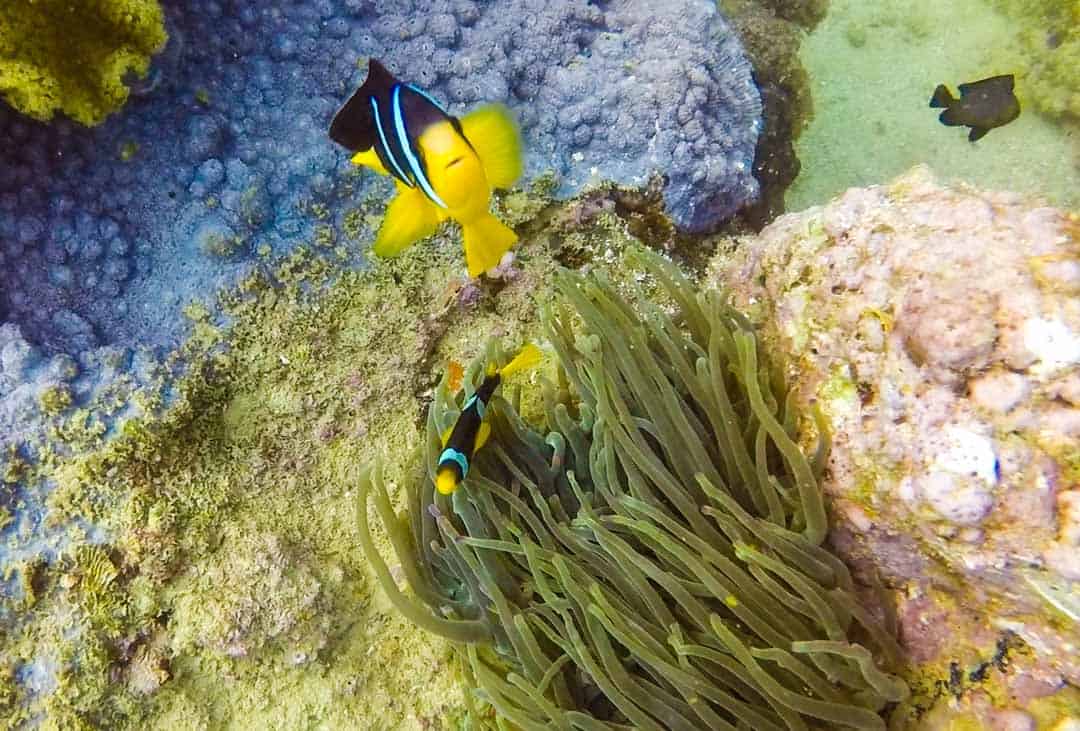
(72,57)
(939,328)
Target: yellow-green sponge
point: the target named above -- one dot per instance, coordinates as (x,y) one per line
(72,55)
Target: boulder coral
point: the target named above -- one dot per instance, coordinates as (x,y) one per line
(938,329)
(74,58)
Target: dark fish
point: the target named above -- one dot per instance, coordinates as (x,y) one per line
(982,105)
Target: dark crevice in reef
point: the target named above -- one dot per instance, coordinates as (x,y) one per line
(771,32)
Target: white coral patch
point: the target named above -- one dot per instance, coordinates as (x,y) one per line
(1052,342)
(968,453)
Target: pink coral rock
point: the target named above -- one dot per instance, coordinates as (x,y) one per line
(938,328)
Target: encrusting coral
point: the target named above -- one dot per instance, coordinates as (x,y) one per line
(651,558)
(72,57)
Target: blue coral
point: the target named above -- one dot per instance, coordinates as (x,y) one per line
(221,152)
(231,129)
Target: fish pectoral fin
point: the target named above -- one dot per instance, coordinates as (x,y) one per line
(494,135)
(977,133)
(446,434)
(409,218)
(369,159)
(486,239)
(482,435)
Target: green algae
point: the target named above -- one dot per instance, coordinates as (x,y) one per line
(1048,32)
(73,57)
(222,584)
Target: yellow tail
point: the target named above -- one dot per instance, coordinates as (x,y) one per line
(486,240)
(526,358)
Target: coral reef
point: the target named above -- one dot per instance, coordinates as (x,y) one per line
(203,565)
(220,162)
(107,234)
(939,331)
(74,58)
(1049,35)
(652,556)
(772,33)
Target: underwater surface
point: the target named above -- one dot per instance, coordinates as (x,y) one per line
(592,364)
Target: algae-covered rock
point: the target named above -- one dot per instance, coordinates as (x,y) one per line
(209,573)
(1049,36)
(939,330)
(72,57)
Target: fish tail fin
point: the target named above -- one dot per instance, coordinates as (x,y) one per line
(409,218)
(942,98)
(493,133)
(486,240)
(527,357)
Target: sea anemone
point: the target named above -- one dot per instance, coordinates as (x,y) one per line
(650,558)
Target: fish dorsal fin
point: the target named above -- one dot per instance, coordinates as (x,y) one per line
(353,126)
(526,358)
(1001,84)
(494,135)
(483,433)
(445,437)
(379,77)
(941,98)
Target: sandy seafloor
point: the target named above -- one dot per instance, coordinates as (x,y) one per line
(873,66)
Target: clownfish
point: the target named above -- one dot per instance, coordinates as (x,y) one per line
(471,430)
(444,167)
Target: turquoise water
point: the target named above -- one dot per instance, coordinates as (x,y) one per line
(873,67)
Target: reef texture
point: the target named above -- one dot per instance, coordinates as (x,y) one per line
(772,33)
(651,557)
(1049,36)
(220,164)
(74,58)
(203,568)
(939,331)
(106,234)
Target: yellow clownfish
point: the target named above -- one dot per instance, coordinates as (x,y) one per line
(444,167)
(471,430)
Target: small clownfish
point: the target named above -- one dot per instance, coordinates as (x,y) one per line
(471,430)
(444,167)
